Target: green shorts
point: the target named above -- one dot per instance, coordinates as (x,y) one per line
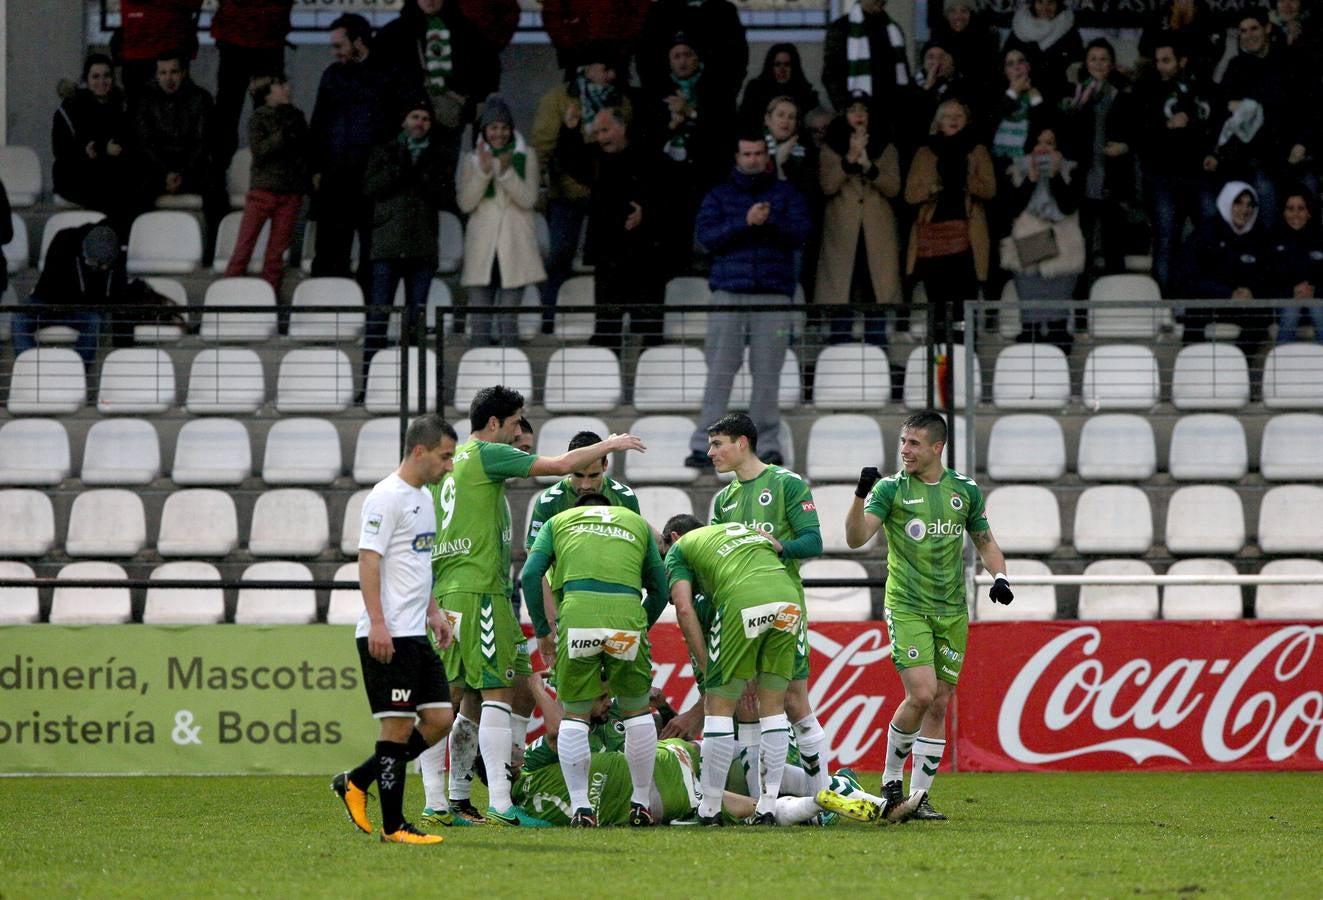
(754,636)
(801,672)
(485,651)
(601,635)
(918,640)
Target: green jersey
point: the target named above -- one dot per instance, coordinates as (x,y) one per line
(778,503)
(721,560)
(561,496)
(472,549)
(925,525)
(542,791)
(605,549)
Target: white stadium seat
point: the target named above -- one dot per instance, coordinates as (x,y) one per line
(346,324)
(1210,376)
(450,243)
(377,450)
(1129,601)
(91,606)
(163,331)
(1292,448)
(72,218)
(582,379)
(1291,519)
(1120,376)
(579,290)
(351,523)
(836,604)
(238,327)
(482,367)
(198,522)
(840,445)
(658,504)
(47,381)
(1126,319)
(346,605)
(227,236)
(788,385)
(1026,447)
(184,606)
(1302,602)
(669,378)
(121,451)
(34,451)
(382,392)
(106,522)
(916,379)
(276,606)
(1026,518)
(832,501)
(20,172)
(18,605)
(212,451)
(667,438)
(554,435)
(1113,519)
(225,380)
(956,436)
(438,297)
(1201,601)
(1033,602)
(289,522)
(17,251)
(164,243)
(239,176)
(314,380)
(1031,376)
(1208,447)
(1293,377)
(302,451)
(1117,447)
(1205,519)
(27,523)
(136,380)
(687,298)
(852,377)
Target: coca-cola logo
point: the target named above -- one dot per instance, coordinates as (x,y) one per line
(1258,703)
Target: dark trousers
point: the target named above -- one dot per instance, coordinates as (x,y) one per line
(949,281)
(237,66)
(341,210)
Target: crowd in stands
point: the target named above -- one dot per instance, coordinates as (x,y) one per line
(946,175)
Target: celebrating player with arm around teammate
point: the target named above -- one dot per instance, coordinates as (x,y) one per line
(403,676)
(925,510)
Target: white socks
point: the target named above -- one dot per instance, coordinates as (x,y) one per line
(794,810)
(810,737)
(432,763)
(575,757)
(641,754)
(927,757)
(463,754)
(749,736)
(518,735)
(718,750)
(898,750)
(775,742)
(494,744)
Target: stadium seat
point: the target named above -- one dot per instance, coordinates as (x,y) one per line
(852,377)
(438,297)
(212,451)
(1291,519)
(47,381)
(20,172)
(377,450)
(73,218)
(1025,518)
(916,379)
(108,522)
(450,243)
(553,437)
(670,378)
(184,606)
(121,451)
(238,327)
(1205,519)
(1031,376)
(836,604)
(309,250)
(314,380)
(346,605)
(382,392)
(687,298)
(1026,447)
(17,251)
(136,380)
(840,445)
(289,522)
(276,606)
(578,290)
(351,523)
(582,379)
(480,367)
(91,606)
(225,380)
(27,523)
(1125,319)
(302,451)
(1201,601)
(832,501)
(342,293)
(198,522)
(1130,601)
(528,324)
(1120,376)
(228,235)
(1117,447)
(668,446)
(1208,447)
(239,176)
(1303,602)
(658,504)
(18,605)
(1210,376)
(1292,448)
(1113,519)
(1033,602)
(179,201)
(164,243)
(34,451)
(1293,377)
(788,386)
(956,435)
(162,331)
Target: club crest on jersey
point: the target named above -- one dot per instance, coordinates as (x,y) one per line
(957,503)
(765,498)
(587,642)
(916,528)
(912,653)
(768,616)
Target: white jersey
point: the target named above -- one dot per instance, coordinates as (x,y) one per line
(399,522)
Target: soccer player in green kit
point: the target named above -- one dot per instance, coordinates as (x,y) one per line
(925,510)
(755,624)
(471,566)
(604,556)
(778,503)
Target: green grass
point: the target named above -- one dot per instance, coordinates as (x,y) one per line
(1009,835)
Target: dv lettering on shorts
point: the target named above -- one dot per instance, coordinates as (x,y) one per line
(618,644)
(780,616)
(400,696)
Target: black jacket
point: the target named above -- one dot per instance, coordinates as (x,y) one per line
(475,64)
(67,280)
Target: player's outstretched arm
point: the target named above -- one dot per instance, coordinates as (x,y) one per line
(995,562)
(860,526)
(573,460)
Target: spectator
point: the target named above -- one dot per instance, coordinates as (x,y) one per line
(1296,264)
(949,181)
(1296,35)
(84,267)
(1015,106)
(795,162)
(782,76)
(752,225)
(172,137)
(498,188)
(1045,194)
(865,51)
(405,181)
(150,29)
(860,259)
(1226,260)
(278,136)
(1044,31)
(590,88)
(357,101)
(89,137)
(250,41)
(578,25)
(719,39)
(1194,25)
(973,45)
(938,80)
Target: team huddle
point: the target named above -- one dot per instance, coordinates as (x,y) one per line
(450,680)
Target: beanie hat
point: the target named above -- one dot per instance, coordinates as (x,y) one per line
(100,246)
(495,109)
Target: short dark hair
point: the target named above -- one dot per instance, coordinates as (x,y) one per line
(930,421)
(178,55)
(259,87)
(525,425)
(735,425)
(426,431)
(749,136)
(356,27)
(1101,44)
(1257,13)
(681,525)
(497,400)
(592,499)
(97,59)
(584,439)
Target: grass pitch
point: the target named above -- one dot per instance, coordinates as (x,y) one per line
(1010,835)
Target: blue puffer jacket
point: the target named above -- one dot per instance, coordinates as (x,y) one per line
(748,259)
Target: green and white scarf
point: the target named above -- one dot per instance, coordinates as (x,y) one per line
(857,54)
(688,88)
(436,55)
(518,159)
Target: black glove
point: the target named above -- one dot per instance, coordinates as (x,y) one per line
(868,476)
(1001,591)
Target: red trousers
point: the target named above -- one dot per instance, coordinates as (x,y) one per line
(258,207)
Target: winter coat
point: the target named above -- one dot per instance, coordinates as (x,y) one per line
(278,136)
(548,128)
(256,24)
(882,58)
(1171,151)
(173,133)
(1217,260)
(475,66)
(717,34)
(615,181)
(1295,257)
(406,200)
(1048,65)
(1118,182)
(749,259)
(358,106)
(765,88)
(82,119)
(856,201)
(500,227)
(67,280)
(921,187)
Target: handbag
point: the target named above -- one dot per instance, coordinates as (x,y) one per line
(942,238)
(1034,248)
(1031,236)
